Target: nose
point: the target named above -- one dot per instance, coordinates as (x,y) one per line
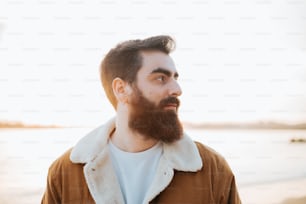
(175,89)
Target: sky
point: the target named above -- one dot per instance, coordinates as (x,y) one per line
(238,61)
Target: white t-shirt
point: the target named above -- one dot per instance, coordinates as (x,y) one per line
(135,171)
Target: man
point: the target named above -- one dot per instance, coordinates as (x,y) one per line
(142,155)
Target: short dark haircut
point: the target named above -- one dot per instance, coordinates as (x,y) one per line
(125,60)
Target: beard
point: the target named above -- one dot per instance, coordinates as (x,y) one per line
(153,121)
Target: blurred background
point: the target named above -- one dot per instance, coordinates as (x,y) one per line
(242,69)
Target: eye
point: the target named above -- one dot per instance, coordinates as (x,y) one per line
(161,78)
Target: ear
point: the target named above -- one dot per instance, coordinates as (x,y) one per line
(121,90)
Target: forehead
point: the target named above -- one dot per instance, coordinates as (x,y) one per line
(152,60)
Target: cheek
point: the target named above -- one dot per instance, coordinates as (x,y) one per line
(153,93)
(150,95)
(155,96)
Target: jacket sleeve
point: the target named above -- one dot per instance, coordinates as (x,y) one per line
(52,194)
(233,197)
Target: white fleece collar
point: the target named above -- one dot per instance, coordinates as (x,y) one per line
(183,154)
(102,183)
(92,144)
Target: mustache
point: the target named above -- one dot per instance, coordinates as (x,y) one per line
(169,100)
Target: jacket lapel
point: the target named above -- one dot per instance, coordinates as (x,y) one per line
(182,155)
(101,179)
(98,170)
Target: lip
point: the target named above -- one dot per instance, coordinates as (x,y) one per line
(171,106)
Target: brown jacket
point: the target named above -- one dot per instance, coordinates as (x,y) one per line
(188,172)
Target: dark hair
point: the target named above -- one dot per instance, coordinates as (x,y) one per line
(125,60)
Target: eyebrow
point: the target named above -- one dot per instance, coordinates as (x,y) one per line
(164,71)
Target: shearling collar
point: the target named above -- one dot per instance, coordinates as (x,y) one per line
(183,155)
(99,173)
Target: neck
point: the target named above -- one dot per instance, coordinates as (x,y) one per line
(128,140)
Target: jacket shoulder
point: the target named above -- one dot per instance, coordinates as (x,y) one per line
(213,160)
(62,161)
(66,182)
(62,165)
(221,176)
(213,183)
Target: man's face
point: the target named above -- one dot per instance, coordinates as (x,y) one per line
(157,78)
(154,103)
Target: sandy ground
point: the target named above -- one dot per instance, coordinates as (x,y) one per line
(281,192)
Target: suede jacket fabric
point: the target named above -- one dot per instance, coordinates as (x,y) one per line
(188,172)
